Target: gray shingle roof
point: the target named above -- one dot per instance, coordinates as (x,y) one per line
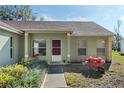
(79,28)
(8,27)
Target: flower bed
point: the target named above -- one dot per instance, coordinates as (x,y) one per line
(27,74)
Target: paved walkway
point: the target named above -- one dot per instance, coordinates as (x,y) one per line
(55,77)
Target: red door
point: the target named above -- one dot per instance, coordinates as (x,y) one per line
(56,47)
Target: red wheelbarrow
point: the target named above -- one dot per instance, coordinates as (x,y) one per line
(96,63)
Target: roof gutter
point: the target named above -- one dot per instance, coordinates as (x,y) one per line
(92,35)
(69,30)
(47,30)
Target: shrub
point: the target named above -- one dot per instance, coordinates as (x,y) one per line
(117,64)
(114,73)
(29,61)
(15,70)
(75,80)
(29,79)
(1,70)
(27,74)
(6,79)
(26,62)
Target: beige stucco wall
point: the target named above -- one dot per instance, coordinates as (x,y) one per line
(17,48)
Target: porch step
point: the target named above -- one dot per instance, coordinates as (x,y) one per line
(55,63)
(55,69)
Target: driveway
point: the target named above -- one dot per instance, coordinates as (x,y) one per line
(55,77)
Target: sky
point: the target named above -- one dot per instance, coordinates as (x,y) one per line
(105,16)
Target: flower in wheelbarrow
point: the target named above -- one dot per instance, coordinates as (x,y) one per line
(101,60)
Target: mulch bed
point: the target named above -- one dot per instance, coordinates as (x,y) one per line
(108,80)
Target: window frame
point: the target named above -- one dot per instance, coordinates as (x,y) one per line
(78,46)
(103,47)
(39,48)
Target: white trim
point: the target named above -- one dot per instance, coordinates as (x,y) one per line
(68,55)
(15,31)
(91,35)
(68,34)
(3,41)
(42,86)
(56,58)
(67,30)
(26,55)
(47,32)
(26,34)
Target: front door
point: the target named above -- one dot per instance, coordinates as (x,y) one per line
(56,50)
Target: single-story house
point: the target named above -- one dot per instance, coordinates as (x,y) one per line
(53,41)
(122,46)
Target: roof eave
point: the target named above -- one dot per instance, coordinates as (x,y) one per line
(92,35)
(14,31)
(47,30)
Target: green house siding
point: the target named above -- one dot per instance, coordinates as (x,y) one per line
(19,51)
(24,32)
(91,45)
(90,49)
(5,51)
(49,37)
(21,47)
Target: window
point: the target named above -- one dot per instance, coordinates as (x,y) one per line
(82,44)
(11,47)
(100,48)
(39,47)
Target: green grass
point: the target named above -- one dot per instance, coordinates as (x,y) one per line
(117,58)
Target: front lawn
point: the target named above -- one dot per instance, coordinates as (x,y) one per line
(26,74)
(117,58)
(117,62)
(111,79)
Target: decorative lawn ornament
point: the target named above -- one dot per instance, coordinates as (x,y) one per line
(96,63)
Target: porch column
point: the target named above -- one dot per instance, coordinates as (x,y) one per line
(26,45)
(109,40)
(68,47)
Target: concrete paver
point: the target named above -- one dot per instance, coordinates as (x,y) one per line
(55,78)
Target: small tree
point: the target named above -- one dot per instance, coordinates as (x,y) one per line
(117,37)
